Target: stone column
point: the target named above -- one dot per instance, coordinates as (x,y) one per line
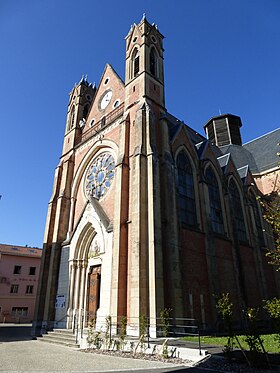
(73,267)
(82,291)
(77,288)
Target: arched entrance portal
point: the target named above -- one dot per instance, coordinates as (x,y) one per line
(85,277)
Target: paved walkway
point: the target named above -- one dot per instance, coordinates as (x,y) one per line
(20,354)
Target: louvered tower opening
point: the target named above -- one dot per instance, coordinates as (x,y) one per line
(224,130)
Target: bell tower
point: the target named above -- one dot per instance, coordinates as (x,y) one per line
(144,75)
(80,101)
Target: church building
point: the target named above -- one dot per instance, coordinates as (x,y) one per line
(147,214)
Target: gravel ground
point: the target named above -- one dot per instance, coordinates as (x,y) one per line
(212,363)
(139,355)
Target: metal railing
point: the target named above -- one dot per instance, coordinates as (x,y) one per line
(170,328)
(103,123)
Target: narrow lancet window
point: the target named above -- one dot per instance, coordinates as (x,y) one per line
(85,111)
(187,206)
(215,202)
(71,119)
(136,63)
(237,211)
(153,62)
(258,220)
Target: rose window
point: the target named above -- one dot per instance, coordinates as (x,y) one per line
(100,175)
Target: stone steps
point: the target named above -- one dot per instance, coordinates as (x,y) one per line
(64,337)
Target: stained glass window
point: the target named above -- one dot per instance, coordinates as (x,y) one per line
(100,175)
(187,205)
(257,217)
(215,202)
(237,211)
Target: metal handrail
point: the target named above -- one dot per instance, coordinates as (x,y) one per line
(103,123)
(174,324)
(62,318)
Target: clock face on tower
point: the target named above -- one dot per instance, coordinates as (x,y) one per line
(105,99)
(100,175)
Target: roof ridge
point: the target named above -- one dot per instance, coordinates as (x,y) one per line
(265,134)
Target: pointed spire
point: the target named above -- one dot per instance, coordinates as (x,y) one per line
(84,80)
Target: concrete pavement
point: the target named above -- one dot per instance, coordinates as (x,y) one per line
(34,356)
(20,354)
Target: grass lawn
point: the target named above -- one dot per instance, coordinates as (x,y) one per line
(269,342)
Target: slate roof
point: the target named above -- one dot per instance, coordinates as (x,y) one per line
(174,124)
(259,154)
(241,156)
(264,150)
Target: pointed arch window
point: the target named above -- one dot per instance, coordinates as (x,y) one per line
(258,221)
(187,206)
(85,111)
(153,62)
(237,211)
(135,63)
(71,119)
(215,202)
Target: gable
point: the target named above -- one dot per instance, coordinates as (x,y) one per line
(182,139)
(134,33)
(108,98)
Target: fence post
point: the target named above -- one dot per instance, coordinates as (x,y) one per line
(82,325)
(199,342)
(77,331)
(148,332)
(74,323)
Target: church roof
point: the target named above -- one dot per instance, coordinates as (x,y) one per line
(240,155)
(175,124)
(259,154)
(264,150)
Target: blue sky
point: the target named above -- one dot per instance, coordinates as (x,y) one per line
(220,56)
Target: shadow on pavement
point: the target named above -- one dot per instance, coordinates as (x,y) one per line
(15,332)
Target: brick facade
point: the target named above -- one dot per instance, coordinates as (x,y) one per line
(126,248)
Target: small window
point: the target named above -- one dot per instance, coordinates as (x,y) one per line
(106,81)
(29,289)
(153,62)
(103,122)
(32,271)
(14,289)
(92,123)
(17,270)
(154,40)
(19,311)
(117,103)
